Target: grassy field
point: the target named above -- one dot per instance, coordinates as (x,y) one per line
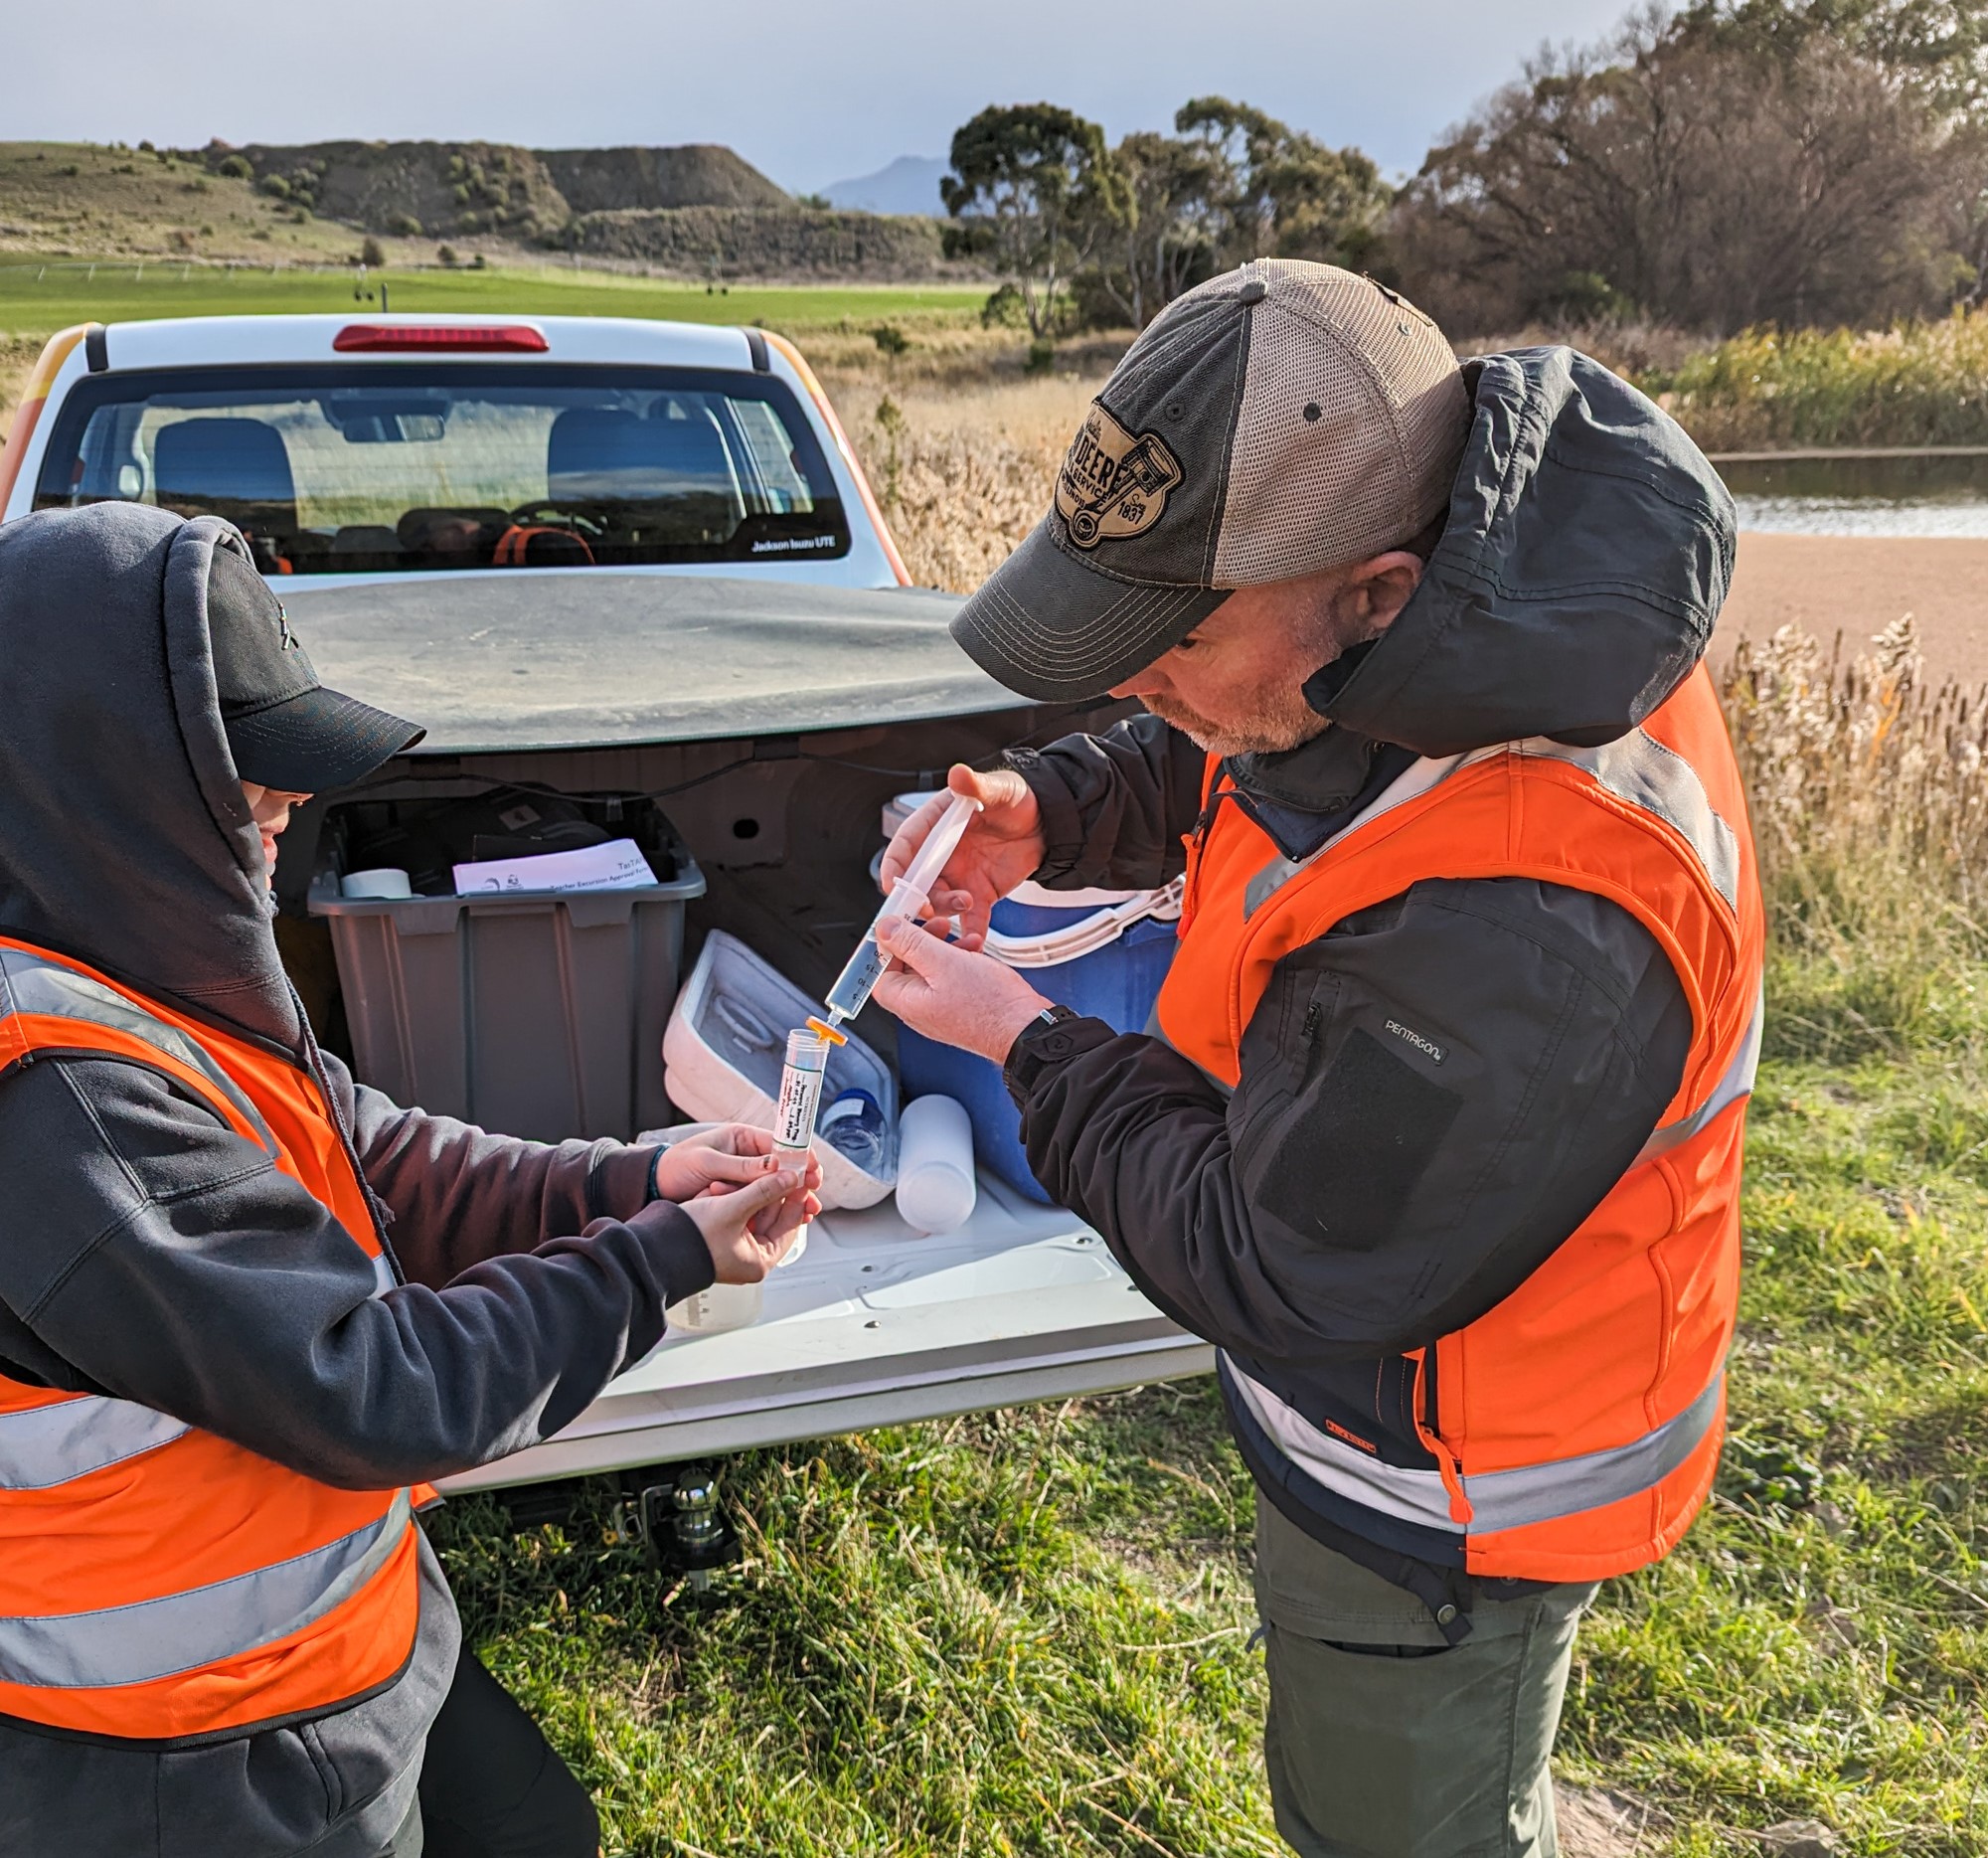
(37,297)
(939,321)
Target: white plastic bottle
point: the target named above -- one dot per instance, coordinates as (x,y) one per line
(935,1186)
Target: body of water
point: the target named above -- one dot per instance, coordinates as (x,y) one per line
(1901,494)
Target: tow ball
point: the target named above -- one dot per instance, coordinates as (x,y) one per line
(678,1519)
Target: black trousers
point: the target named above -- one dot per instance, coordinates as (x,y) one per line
(491,1786)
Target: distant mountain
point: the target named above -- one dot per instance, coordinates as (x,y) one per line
(909,185)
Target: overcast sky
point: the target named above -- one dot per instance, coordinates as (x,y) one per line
(809,90)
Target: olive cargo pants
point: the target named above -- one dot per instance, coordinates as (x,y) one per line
(1404,1747)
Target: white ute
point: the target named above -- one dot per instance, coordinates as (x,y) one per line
(600,556)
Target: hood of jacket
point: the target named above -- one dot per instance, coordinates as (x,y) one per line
(124,839)
(1585,553)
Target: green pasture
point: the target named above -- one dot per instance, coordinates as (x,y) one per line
(37,299)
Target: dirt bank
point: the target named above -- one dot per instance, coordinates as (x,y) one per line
(1857,584)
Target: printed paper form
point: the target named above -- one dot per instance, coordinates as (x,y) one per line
(616,866)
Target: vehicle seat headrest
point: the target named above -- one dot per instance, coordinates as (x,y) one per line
(230,467)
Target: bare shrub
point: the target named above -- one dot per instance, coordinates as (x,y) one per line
(1687,170)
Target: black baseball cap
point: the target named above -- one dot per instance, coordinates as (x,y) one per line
(285,729)
(1280,419)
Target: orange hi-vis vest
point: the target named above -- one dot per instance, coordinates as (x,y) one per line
(1575,1427)
(156,1581)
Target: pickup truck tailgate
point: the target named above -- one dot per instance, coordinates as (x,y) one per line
(876,1325)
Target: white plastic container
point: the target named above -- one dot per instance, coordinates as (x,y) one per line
(718,1308)
(383,880)
(723,1047)
(936,1192)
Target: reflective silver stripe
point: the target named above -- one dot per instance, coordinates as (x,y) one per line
(383,1274)
(1498,1499)
(31,983)
(1736,1083)
(1409,1496)
(42,1447)
(1638,768)
(1567,1486)
(155,1638)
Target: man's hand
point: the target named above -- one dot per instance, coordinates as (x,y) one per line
(953,994)
(748,1230)
(1001,848)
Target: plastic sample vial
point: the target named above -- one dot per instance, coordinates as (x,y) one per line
(909,896)
(799,1101)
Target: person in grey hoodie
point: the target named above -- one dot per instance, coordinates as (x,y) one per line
(173,1293)
(1436,1131)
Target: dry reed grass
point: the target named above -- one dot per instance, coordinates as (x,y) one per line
(1868,787)
(17,356)
(964,474)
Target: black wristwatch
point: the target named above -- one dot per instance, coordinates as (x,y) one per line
(1041,1042)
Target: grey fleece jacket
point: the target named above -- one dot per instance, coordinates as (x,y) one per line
(148,1253)
(1434,1094)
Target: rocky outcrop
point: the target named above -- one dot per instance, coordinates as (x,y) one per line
(444,190)
(701,174)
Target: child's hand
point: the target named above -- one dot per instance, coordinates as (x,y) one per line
(740,1225)
(720,1160)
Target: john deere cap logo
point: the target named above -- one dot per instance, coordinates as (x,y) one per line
(1111,483)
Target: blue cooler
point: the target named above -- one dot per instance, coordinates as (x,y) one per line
(1103,953)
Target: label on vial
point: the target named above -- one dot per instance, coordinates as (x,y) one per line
(794,1113)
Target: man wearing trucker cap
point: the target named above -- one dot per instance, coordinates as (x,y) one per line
(222,1383)
(1436,1131)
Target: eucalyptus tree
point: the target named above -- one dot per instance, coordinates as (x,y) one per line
(1032,190)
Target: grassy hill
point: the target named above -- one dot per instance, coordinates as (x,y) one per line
(694,211)
(82,200)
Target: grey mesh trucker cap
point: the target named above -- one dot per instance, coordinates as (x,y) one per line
(1280,419)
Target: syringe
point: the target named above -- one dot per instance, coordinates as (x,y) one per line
(908,897)
(806,1066)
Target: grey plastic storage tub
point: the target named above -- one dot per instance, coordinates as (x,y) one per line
(534,1013)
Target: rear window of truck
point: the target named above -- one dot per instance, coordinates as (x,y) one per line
(363,468)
